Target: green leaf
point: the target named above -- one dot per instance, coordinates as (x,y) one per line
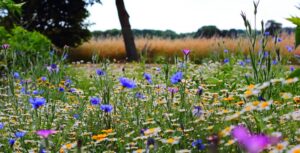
(294,20)
(295,73)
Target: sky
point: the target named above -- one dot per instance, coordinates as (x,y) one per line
(189,15)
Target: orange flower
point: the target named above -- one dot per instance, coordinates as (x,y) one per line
(107,131)
(99,137)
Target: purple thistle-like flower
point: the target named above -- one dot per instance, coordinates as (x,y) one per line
(147,76)
(106,108)
(186,52)
(289,48)
(240,133)
(37,102)
(95,100)
(173,90)
(5,46)
(125,82)
(45,133)
(177,77)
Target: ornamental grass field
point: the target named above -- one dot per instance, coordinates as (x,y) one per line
(237,105)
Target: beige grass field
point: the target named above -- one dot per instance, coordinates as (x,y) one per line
(113,48)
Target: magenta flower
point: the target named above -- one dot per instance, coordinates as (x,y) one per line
(186,51)
(5,46)
(253,143)
(45,133)
(173,90)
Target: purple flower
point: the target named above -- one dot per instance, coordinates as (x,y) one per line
(267,33)
(125,82)
(95,100)
(147,76)
(37,102)
(266,54)
(16,75)
(198,144)
(100,72)
(45,133)
(20,134)
(242,63)
(106,108)
(248,60)
(225,50)
(11,142)
(177,77)
(253,143)
(5,46)
(292,68)
(173,90)
(53,68)
(43,78)
(226,60)
(186,52)
(68,82)
(197,111)
(289,48)
(140,95)
(200,91)
(76,116)
(279,39)
(274,62)
(61,89)
(1,126)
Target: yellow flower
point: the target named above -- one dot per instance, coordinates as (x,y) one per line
(99,137)
(107,131)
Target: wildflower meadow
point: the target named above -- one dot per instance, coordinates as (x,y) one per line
(240,102)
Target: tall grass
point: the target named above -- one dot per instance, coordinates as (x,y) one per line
(113,48)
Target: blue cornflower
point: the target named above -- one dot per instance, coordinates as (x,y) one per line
(266,54)
(267,33)
(68,82)
(242,63)
(292,68)
(274,62)
(248,60)
(147,76)
(125,82)
(1,125)
(11,141)
(226,60)
(177,77)
(65,56)
(226,51)
(44,78)
(100,72)
(197,111)
(73,90)
(106,108)
(279,39)
(53,68)
(61,89)
(76,116)
(16,75)
(140,95)
(198,144)
(24,91)
(95,100)
(35,92)
(37,102)
(20,134)
(289,48)
(200,91)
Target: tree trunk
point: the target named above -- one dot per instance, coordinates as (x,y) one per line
(126,32)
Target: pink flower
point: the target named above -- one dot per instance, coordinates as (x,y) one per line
(45,133)
(186,51)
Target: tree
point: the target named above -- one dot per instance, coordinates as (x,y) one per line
(127,32)
(207,32)
(273,27)
(62,21)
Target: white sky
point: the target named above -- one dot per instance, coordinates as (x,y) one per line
(189,15)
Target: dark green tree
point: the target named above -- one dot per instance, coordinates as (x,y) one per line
(207,32)
(273,27)
(62,21)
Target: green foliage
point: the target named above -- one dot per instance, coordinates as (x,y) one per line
(61,21)
(297,36)
(295,73)
(29,42)
(4,35)
(11,6)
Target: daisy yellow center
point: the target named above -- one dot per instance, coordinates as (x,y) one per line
(69,146)
(171,140)
(248,108)
(296,150)
(255,103)
(279,147)
(264,104)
